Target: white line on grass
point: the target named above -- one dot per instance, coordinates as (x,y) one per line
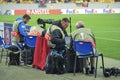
(108,39)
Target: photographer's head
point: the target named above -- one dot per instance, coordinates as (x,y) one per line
(26,18)
(79,24)
(65,23)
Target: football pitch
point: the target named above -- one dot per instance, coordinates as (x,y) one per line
(106,28)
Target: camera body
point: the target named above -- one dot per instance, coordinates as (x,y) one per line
(111,72)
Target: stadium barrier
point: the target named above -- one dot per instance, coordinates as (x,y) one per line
(60,11)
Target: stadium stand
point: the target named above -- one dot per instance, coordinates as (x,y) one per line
(16,1)
(56,1)
(57,6)
(26,3)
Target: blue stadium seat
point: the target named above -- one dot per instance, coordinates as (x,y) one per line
(30,41)
(85,49)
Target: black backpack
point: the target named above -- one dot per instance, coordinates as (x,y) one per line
(54,63)
(69,59)
(14,55)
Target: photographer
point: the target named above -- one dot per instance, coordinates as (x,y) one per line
(56,34)
(56,41)
(19,29)
(85,34)
(18,33)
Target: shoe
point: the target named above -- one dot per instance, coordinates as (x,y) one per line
(81,70)
(87,71)
(92,70)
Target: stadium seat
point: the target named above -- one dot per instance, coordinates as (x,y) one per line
(85,49)
(1,1)
(106,1)
(26,1)
(29,41)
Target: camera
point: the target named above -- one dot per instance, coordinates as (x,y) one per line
(111,72)
(44,21)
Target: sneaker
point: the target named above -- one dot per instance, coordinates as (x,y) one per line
(87,71)
(92,70)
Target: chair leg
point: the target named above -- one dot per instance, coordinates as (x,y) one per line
(20,56)
(1,55)
(75,65)
(103,63)
(96,67)
(81,65)
(6,58)
(25,58)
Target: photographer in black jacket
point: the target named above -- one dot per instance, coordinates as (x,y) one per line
(56,40)
(57,33)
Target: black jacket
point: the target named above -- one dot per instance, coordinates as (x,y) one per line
(56,37)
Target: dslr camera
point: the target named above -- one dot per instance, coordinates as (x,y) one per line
(111,72)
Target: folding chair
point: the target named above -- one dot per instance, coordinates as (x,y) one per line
(29,41)
(85,49)
(3,46)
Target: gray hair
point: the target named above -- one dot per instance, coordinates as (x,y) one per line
(80,24)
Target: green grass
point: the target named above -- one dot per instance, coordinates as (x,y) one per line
(29,73)
(106,28)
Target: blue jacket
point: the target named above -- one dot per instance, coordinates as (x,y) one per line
(22,27)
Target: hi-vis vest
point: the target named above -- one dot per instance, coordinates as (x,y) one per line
(48,35)
(36,31)
(83,34)
(15,33)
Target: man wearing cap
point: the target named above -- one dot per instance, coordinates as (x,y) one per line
(85,34)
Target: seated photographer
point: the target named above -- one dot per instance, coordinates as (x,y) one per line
(38,30)
(56,40)
(56,34)
(82,33)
